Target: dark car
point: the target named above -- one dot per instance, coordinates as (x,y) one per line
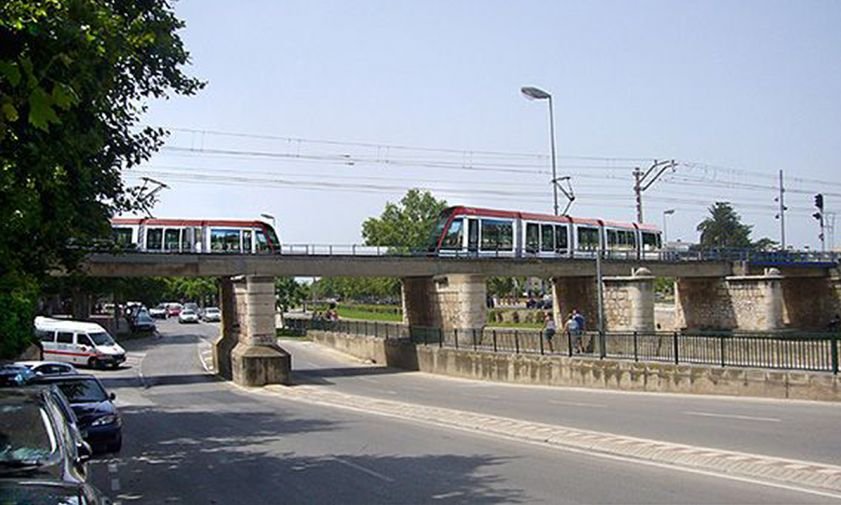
(36,441)
(48,492)
(142,321)
(99,419)
(15,375)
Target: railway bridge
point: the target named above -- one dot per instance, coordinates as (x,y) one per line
(713,291)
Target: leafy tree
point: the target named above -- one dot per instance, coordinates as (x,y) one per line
(765,244)
(724,228)
(407,225)
(74,79)
(290,292)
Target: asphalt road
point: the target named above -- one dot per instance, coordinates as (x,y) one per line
(189,438)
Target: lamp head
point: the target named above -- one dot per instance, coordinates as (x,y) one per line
(533,93)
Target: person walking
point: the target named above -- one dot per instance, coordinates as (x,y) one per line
(583,343)
(549,330)
(571,329)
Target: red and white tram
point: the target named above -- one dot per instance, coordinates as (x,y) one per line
(488,232)
(195,235)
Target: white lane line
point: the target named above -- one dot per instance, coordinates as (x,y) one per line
(577,404)
(363,469)
(447,495)
(733,416)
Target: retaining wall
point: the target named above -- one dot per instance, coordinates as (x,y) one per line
(584,372)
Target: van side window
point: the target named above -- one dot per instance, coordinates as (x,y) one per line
(45,336)
(83,339)
(64,337)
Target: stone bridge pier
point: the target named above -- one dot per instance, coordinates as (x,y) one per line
(247,351)
(451,302)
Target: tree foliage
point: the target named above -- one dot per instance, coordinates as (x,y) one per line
(289,292)
(74,79)
(405,225)
(724,228)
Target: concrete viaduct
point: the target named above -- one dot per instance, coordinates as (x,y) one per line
(451,293)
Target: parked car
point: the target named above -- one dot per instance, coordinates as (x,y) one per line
(143,322)
(49,492)
(37,442)
(48,367)
(191,306)
(212,314)
(173,309)
(159,311)
(78,342)
(188,316)
(99,418)
(14,374)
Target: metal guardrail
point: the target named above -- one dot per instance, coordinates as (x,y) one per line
(814,352)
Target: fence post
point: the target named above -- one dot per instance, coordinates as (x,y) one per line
(494,337)
(833,343)
(636,349)
(376,329)
(540,338)
(386,330)
(721,350)
(677,361)
(569,343)
(440,337)
(455,336)
(474,339)
(516,343)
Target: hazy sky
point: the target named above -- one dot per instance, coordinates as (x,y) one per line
(734,91)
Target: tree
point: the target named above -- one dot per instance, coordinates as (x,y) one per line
(407,225)
(724,228)
(765,244)
(75,76)
(289,293)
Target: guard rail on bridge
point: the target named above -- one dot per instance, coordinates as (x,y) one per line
(815,352)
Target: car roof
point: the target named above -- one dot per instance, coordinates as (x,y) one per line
(46,323)
(39,363)
(65,378)
(21,394)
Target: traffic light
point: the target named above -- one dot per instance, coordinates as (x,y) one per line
(819,201)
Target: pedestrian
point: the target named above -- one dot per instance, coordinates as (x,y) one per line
(549,330)
(579,320)
(571,330)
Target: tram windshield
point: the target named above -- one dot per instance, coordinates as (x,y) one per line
(438,230)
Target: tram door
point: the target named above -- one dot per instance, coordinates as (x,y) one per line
(472,235)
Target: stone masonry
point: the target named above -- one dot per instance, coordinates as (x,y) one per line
(448,302)
(629,302)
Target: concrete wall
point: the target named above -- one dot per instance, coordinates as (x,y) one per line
(591,373)
(809,303)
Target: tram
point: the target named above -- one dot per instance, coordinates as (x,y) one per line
(488,232)
(195,235)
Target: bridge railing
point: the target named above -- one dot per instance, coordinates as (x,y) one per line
(815,352)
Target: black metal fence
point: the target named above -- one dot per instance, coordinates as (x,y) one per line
(816,352)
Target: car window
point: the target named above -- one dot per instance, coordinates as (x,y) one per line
(101,338)
(83,391)
(28,435)
(64,337)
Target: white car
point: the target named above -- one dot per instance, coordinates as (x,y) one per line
(212,314)
(188,316)
(159,311)
(48,367)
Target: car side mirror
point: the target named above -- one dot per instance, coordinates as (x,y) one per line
(84,451)
(112,396)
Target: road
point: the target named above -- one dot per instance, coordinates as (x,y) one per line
(189,438)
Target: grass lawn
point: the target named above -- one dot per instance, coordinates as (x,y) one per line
(350,313)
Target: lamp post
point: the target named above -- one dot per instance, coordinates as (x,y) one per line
(270,217)
(533,93)
(667,212)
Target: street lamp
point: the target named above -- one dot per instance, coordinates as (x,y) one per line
(533,93)
(667,212)
(271,217)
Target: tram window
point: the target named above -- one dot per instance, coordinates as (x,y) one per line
(532,237)
(246,241)
(224,241)
(261,242)
(612,239)
(123,236)
(172,237)
(453,238)
(497,235)
(198,239)
(547,237)
(186,240)
(154,239)
(650,241)
(631,238)
(561,239)
(588,238)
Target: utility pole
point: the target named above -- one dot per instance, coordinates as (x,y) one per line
(642,181)
(830,229)
(782,214)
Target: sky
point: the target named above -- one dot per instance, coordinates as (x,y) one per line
(320,112)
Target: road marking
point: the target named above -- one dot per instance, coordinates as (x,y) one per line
(363,469)
(733,416)
(577,404)
(447,495)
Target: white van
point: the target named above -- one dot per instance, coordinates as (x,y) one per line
(78,342)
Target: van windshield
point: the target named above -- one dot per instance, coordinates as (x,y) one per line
(101,338)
